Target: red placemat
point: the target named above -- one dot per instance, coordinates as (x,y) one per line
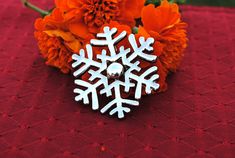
(195,118)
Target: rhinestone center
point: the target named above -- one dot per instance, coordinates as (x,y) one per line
(115,70)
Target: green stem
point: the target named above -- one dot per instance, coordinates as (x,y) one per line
(27,4)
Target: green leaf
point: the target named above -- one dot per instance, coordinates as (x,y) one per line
(157,2)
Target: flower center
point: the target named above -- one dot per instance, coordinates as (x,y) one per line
(115,70)
(99,12)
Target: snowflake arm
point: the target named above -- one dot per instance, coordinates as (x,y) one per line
(121,55)
(109,40)
(83,94)
(141,80)
(102,78)
(127,74)
(139,51)
(118,101)
(80,59)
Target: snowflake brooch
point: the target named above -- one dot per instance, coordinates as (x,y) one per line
(114,72)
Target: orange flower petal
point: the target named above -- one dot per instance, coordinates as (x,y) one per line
(134,7)
(75,45)
(74,3)
(62,4)
(39,25)
(55,17)
(69,40)
(117,25)
(142,32)
(164,16)
(79,29)
(67,36)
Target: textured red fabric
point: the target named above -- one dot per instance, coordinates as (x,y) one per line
(195,118)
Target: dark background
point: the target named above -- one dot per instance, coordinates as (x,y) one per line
(212,2)
(226,3)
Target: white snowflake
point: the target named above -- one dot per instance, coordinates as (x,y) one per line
(109,71)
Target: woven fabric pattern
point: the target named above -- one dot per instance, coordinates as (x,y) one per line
(195,118)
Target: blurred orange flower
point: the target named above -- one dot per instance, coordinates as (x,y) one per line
(164,24)
(89,15)
(55,43)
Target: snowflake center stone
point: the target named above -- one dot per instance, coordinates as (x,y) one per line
(115,70)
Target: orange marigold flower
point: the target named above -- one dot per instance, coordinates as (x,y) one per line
(168,31)
(55,43)
(95,13)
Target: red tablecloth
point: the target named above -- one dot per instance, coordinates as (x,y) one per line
(195,118)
